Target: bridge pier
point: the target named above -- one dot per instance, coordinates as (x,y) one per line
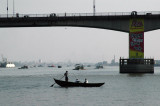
(136,62)
(136,65)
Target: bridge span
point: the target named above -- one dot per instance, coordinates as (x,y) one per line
(118,21)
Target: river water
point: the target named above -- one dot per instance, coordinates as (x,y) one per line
(31,87)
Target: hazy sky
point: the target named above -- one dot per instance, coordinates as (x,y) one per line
(73,44)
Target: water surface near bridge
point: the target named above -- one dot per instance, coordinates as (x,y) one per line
(31,88)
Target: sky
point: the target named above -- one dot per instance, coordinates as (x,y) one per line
(74,44)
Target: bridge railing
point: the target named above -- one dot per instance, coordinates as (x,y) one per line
(79,14)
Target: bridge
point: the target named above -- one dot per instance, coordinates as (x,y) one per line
(118,21)
(134,23)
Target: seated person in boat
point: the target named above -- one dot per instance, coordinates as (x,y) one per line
(86,81)
(77,81)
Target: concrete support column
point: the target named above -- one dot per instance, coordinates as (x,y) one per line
(136,62)
(136,38)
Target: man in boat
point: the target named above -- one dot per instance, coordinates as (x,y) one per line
(86,81)
(77,81)
(66,76)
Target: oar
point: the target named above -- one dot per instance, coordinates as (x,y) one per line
(55,83)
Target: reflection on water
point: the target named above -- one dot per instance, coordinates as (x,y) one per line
(32,88)
(136,74)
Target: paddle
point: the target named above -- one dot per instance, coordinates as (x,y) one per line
(55,83)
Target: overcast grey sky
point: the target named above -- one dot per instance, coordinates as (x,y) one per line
(74,44)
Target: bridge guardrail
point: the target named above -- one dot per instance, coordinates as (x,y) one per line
(79,14)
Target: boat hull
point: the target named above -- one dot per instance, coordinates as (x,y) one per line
(7,65)
(73,84)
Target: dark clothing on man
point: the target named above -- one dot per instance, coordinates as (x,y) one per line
(66,79)
(66,76)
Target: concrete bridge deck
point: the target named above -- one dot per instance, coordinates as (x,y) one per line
(114,21)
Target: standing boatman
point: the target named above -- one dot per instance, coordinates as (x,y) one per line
(66,76)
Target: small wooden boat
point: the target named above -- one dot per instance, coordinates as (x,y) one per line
(74,84)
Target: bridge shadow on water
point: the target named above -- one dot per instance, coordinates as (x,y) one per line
(136,74)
